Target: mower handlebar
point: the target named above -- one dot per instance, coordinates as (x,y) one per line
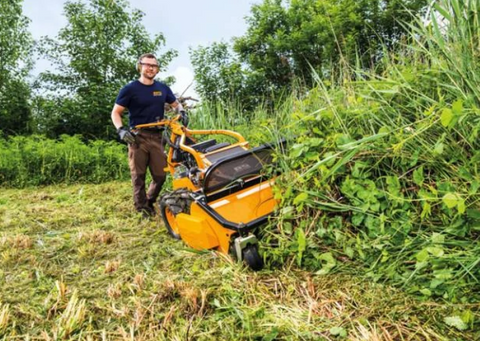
(160,123)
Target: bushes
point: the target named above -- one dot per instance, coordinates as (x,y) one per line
(396,194)
(35,160)
(384,172)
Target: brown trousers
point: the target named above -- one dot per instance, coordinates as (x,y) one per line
(146,152)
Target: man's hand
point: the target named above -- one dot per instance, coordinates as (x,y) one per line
(126,135)
(184,117)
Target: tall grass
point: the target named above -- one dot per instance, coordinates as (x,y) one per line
(384,172)
(258,126)
(36,160)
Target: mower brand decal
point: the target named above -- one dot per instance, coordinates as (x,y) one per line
(157,93)
(243,167)
(220,203)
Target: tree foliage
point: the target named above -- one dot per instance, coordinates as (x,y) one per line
(15,61)
(287,39)
(220,75)
(94,55)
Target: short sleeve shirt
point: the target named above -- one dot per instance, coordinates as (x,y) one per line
(145,103)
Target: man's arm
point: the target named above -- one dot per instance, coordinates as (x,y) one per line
(117,112)
(124,133)
(180,110)
(177,106)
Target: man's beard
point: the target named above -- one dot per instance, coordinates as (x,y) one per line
(147,76)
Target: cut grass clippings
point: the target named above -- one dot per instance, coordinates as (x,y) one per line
(77,262)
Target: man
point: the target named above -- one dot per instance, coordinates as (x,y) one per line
(145,100)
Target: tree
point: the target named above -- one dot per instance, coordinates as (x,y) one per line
(95,55)
(15,62)
(221,77)
(288,39)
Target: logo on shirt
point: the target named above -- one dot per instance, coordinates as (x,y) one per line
(157,93)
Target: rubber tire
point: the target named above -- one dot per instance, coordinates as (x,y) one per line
(167,215)
(252,258)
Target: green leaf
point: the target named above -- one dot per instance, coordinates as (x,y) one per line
(473,214)
(328,263)
(421,265)
(311,155)
(426,210)
(300,198)
(349,252)
(418,176)
(301,240)
(426,292)
(435,251)
(338,331)
(457,107)
(438,238)
(436,282)
(450,199)
(288,193)
(422,256)
(474,186)
(315,142)
(331,158)
(271,336)
(297,150)
(438,149)
(369,138)
(357,219)
(468,316)
(461,206)
(384,130)
(443,273)
(429,111)
(287,212)
(446,117)
(455,321)
(301,245)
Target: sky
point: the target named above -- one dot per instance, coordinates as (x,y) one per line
(184,24)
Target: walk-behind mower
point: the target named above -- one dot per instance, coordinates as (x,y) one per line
(222,191)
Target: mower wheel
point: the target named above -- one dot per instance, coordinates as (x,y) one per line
(252,257)
(171,204)
(169,220)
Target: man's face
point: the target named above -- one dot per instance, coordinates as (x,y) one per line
(149,68)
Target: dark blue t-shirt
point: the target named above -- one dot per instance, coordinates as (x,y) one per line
(145,103)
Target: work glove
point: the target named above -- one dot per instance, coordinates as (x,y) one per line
(126,135)
(184,118)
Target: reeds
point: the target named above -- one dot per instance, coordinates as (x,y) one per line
(390,160)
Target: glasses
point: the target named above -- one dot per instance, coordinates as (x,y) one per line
(153,66)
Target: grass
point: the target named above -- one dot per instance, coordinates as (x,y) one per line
(379,194)
(77,262)
(36,160)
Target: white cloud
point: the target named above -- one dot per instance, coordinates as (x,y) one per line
(191,23)
(184,82)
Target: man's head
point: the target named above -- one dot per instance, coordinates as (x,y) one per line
(148,66)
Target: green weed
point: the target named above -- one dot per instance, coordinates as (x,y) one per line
(383,173)
(35,160)
(94,269)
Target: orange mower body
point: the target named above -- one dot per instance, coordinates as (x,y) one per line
(222,192)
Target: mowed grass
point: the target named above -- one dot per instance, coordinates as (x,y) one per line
(77,262)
